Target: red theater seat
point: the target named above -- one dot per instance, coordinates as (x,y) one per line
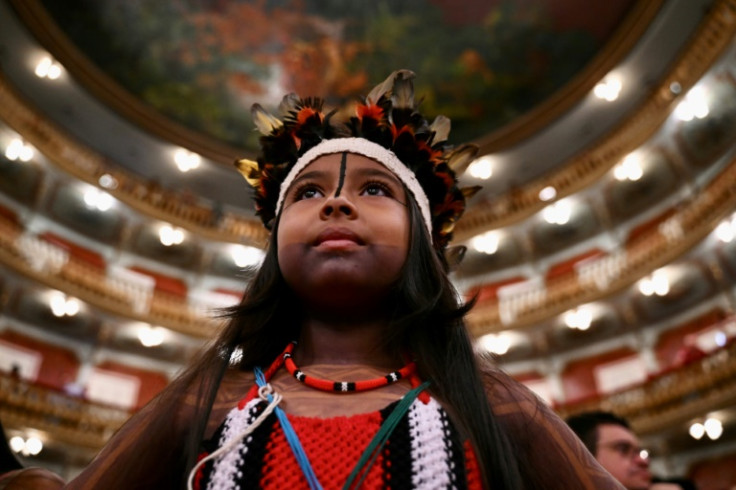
(645,227)
(568,265)
(489,292)
(76,251)
(164,283)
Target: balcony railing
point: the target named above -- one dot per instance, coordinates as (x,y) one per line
(68,420)
(672,396)
(666,399)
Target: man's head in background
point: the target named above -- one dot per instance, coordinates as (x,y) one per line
(610,439)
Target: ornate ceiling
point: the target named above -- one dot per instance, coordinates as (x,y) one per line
(604,227)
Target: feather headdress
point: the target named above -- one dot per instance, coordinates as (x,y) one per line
(388,117)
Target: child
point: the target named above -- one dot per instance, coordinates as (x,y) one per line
(347,364)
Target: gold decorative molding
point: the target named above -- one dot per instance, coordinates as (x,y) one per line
(66,419)
(608,274)
(672,397)
(85,164)
(97,287)
(603,276)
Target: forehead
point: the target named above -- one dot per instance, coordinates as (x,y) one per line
(331,163)
(612,432)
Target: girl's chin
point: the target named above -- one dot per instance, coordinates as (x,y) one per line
(340,293)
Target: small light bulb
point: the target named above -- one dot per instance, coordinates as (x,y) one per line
(697,431)
(34,445)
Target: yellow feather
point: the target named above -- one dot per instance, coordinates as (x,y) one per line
(249,170)
(264,121)
(469,192)
(460,158)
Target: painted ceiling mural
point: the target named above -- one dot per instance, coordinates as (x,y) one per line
(204,62)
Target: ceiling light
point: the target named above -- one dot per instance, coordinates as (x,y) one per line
(697,430)
(17,150)
(17,444)
(608,89)
(695,105)
(48,68)
(27,447)
(151,336)
(498,343)
(34,445)
(482,168)
(246,256)
(486,243)
(628,169)
(658,283)
(186,160)
(108,181)
(61,305)
(726,230)
(94,198)
(558,213)
(579,318)
(169,235)
(713,428)
(548,193)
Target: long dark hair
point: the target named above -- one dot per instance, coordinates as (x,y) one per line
(427,321)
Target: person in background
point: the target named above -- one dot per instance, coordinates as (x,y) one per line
(610,439)
(673,484)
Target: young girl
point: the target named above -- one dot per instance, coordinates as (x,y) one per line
(347,364)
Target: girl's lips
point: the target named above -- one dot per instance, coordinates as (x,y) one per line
(338,237)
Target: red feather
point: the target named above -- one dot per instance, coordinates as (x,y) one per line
(396,132)
(305,113)
(434,154)
(369,111)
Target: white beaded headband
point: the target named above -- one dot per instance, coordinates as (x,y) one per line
(374,151)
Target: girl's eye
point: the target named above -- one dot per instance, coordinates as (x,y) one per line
(376,189)
(307,192)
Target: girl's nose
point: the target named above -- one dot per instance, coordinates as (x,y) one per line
(335,206)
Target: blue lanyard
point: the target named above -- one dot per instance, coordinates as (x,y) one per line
(291,437)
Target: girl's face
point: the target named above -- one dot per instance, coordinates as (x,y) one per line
(343,234)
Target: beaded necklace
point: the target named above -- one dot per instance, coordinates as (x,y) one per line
(285,359)
(344,386)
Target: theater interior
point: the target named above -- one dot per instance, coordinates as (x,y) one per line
(601,250)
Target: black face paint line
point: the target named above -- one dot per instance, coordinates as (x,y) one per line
(343,168)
